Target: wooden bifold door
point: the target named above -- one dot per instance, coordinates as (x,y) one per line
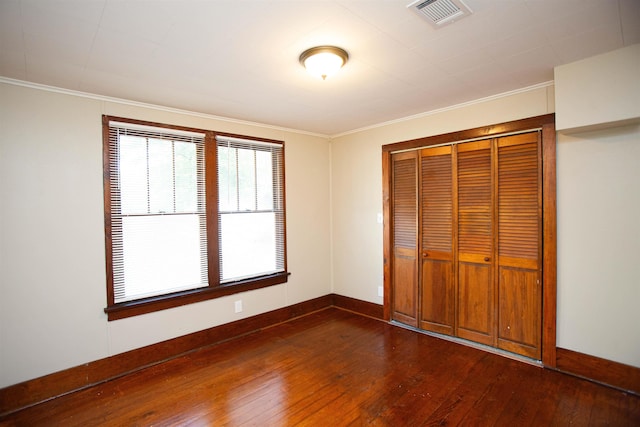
(466,221)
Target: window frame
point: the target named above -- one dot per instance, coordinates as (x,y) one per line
(215,288)
(277,208)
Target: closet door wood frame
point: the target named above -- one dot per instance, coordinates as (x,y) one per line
(546,125)
(405,229)
(436,228)
(519,215)
(476,242)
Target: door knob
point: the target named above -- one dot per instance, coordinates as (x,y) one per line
(487,259)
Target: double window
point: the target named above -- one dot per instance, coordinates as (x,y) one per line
(189,214)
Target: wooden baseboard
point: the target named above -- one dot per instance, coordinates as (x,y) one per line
(38,390)
(364,308)
(607,372)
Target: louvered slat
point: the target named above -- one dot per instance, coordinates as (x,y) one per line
(518,223)
(437,204)
(474,202)
(404,203)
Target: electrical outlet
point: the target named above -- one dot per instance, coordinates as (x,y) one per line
(238,306)
(380,291)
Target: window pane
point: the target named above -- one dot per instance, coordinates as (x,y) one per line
(132,164)
(161,254)
(248,244)
(186,174)
(227,179)
(160,176)
(264,170)
(246,180)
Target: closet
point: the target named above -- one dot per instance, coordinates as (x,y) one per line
(465,239)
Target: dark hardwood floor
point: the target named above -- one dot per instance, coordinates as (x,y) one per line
(336,368)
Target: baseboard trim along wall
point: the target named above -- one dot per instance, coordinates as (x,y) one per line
(50,386)
(364,308)
(603,371)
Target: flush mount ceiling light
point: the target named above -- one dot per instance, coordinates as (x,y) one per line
(323,61)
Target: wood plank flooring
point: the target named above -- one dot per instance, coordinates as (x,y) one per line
(335,368)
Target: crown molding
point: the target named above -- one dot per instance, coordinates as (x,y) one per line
(64,91)
(449,108)
(47,88)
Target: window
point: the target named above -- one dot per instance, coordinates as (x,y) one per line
(190,215)
(251,208)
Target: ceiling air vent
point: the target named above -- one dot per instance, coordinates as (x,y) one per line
(439,12)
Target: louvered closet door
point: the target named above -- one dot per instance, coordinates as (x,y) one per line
(475,298)
(436,202)
(519,249)
(404,217)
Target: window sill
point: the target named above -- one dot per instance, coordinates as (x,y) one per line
(163,302)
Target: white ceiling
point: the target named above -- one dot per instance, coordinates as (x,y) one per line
(239,58)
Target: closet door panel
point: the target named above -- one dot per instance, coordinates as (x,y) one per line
(437,296)
(436,212)
(404,278)
(475,302)
(519,248)
(475,299)
(404,217)
(519,314)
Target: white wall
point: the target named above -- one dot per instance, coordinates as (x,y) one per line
(598,173)
(599,243)
(599,91)
(52,262)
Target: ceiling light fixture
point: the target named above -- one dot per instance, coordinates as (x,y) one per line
(323,61)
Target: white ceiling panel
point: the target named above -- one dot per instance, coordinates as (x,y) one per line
(239,59)
(630,18)
(121,54)
(530,67)
(573,48)
(54,72)
(88,11)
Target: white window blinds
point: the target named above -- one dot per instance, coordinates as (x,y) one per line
(158,215)
(250,208)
